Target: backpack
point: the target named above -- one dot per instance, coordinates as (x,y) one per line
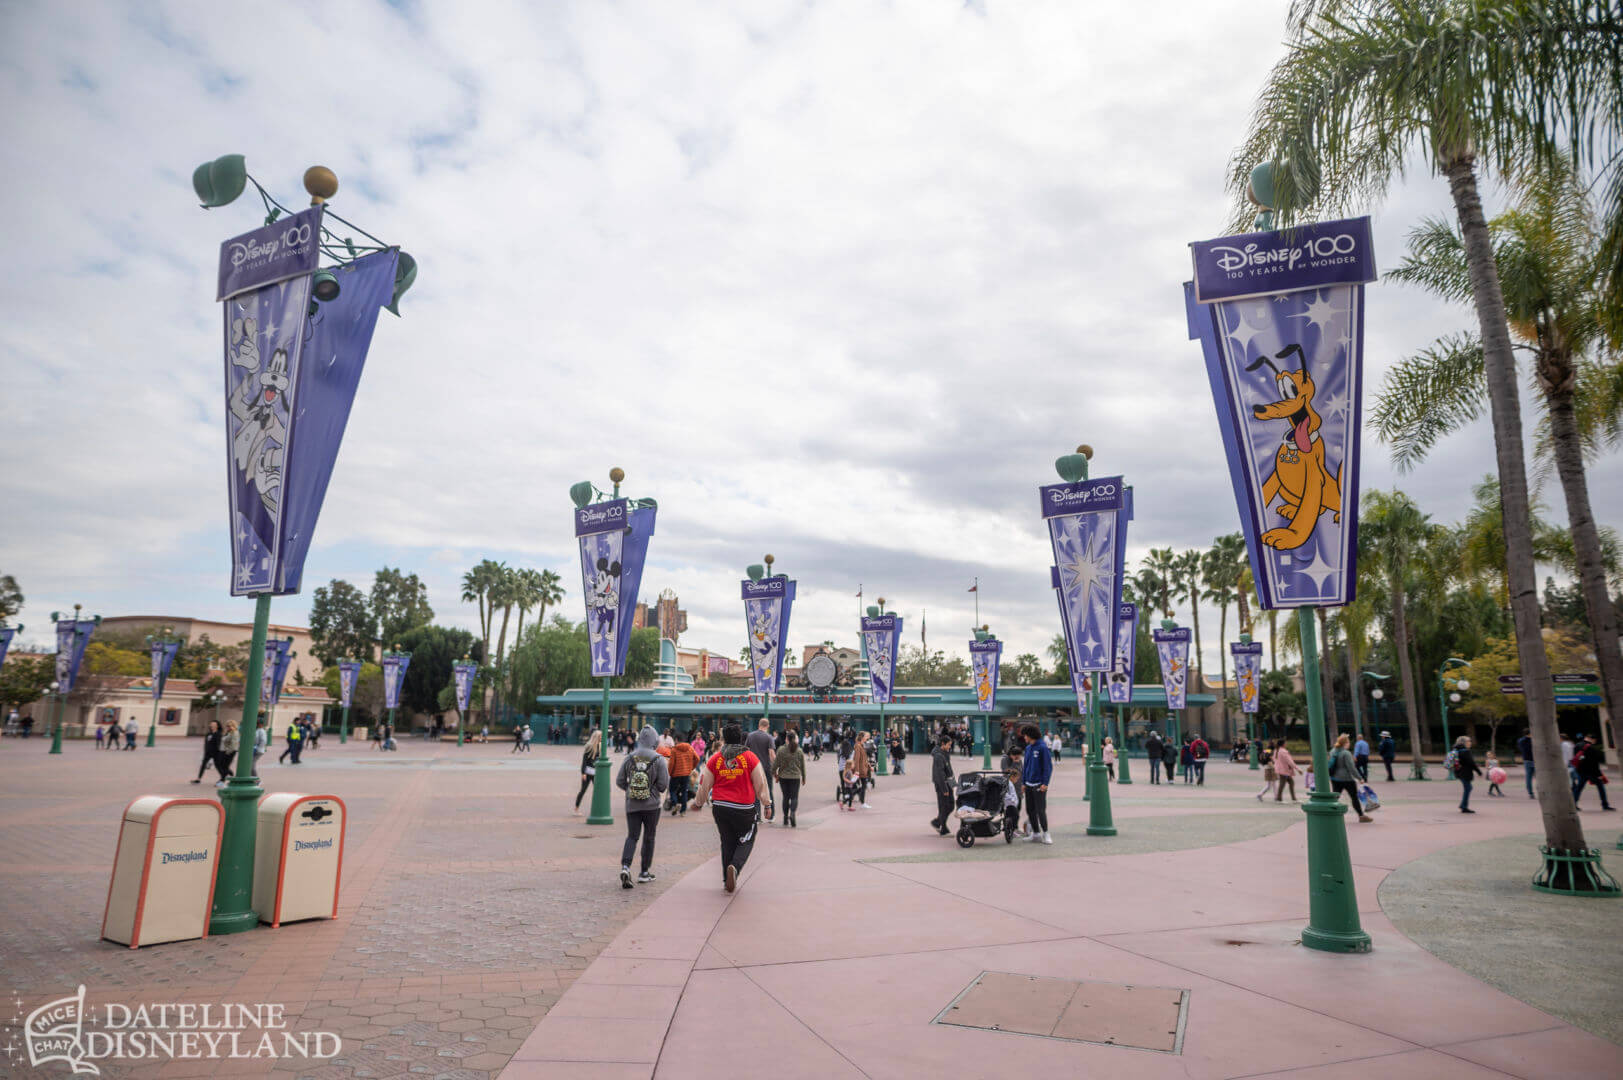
(1451,761)
(641,785)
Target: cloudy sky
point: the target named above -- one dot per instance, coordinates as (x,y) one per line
(833,280)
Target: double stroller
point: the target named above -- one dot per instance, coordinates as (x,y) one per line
(981,812)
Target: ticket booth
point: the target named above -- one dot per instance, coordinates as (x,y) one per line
(162,887)
(298,857)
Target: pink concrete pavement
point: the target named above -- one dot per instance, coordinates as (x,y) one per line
(824,965)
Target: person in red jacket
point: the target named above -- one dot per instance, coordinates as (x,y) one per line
(735,782)
(683,761)
(1199,751)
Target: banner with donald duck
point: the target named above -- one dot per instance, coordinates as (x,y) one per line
(285,418)
(1280,319)
(1172,650)
(881,637)
(767,603)
(985,658)
(613,538)
(1122,670)
(1247,662)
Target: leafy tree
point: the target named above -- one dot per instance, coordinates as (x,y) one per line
(1363,86)
(1278,703)
(433,650)
(915,667)
(342,625)
(25,679)
(106,658)
(556,656)
(1222,569)
(194,658)
(1061,656)
(1391,528)
(1565,651)
(642,658)
(1026,670)
(1156,580)
(11,597)
(399,603)
(1564,608)
(368,699)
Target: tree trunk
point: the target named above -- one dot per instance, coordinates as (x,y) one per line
(1352,683)
(1324,678)
(1423,705)
(1273,639)
(1194,608)
(1223,665)
(1405,671)
(1569,465)
(1562,828)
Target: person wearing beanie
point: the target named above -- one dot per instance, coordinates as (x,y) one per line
(644,777)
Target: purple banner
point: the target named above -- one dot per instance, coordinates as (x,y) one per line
(881,638)
(1079,680)
(6,634)
(163,658)
(349,672)
(1126,658)
(985,660)
(767,605)
(288,248)
(1087,528)
(464,672)
(278,651)
(71,638)
(1172,649)
(613,547)
(1269,263)
(394,676)
(1247,660)
(1286,375)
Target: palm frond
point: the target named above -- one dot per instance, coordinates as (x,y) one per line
(1425,396)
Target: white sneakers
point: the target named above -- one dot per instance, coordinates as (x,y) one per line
(1047,839)
(1039,838)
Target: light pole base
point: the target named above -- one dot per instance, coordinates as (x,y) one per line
(152,737)
(1100,822)
(1417,770)
(56,741)
(1333,924)
(601,794)
(234,883)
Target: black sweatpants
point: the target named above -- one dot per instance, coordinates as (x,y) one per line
(737,829)
(1037,809)
(943,809)
(645,822)
(791,798)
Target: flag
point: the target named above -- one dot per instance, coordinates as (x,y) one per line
(464,671)
(6,634)
(767,604)
(1280,319)
(880,636)
(1122,671)
(163,658)
(72,635)
(1247,659)
(394,676)
(975,587)
(1087,526)
(277,653)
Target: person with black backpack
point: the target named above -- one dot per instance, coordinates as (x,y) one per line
(644,778)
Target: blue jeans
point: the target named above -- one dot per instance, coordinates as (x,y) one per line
(1527,767)
(1465,797)
(1578,788)
(1155,770)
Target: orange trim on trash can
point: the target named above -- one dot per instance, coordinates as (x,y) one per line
(146,864)
(281,870)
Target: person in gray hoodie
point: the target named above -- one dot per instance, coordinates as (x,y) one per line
(644,777)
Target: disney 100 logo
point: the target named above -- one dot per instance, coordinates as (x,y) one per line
(293,239)
(1066,495)
(1316,251)
(601,515)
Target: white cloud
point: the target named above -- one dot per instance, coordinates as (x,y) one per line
(837,281)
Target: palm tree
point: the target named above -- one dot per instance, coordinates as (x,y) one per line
(1363,85)
(1221,568)
(551,592)
(1354,621)
(1547,250)
(1390,529)
(1186,579)
(476,586)
(1157,578)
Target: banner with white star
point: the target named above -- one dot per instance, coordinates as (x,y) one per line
(349,672)
(1087,526)
(767,604)
(1122,670)
(6,634)
(1247,660)
(394,677)
(985,658)
(1172,650)
(464,671)
(1280,318)
(72,636)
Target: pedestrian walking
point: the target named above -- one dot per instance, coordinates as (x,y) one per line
(789,765)
(1389,753)
(229,745)
(1589,764)
(518,741)
(295,742)
(898,753)
(1464,768)
(588,765)
(1199,752)
(1110,758)
(1568,751)
(261,744)
(1524,747)
(1284,770)
(113,740)
(1269,777)
(1343,769)
(861,767)
(211,748)
(644,778)
(683,760)
(733,779)
(1152,748)
(1036,771)
(1186,758)
(941,779)
(1360,753)
(760,743)
(1169,759)
(131,730)
(101,734)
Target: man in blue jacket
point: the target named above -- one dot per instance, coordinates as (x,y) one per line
(1036,769)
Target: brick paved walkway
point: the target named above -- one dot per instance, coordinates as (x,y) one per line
(472,897)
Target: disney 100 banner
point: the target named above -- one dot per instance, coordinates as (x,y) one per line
(881,637)
(285,418)
(1087,526)
(1123,670)
(985,658)
(614,539)
(1247,664)
(767,604)
(1280,318)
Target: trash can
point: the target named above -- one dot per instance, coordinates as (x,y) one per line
(163,871)
(298,857)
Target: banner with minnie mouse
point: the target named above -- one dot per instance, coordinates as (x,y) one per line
(881,637)
(767,604)
(1126,658)
(613,538)
(285,418)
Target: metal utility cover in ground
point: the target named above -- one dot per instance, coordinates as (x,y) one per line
(1114,1014)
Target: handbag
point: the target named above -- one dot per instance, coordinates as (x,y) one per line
(1367,796)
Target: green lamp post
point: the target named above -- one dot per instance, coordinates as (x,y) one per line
(158,678)
(1449,693)
(234,881)
(398,655)
(80,632)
